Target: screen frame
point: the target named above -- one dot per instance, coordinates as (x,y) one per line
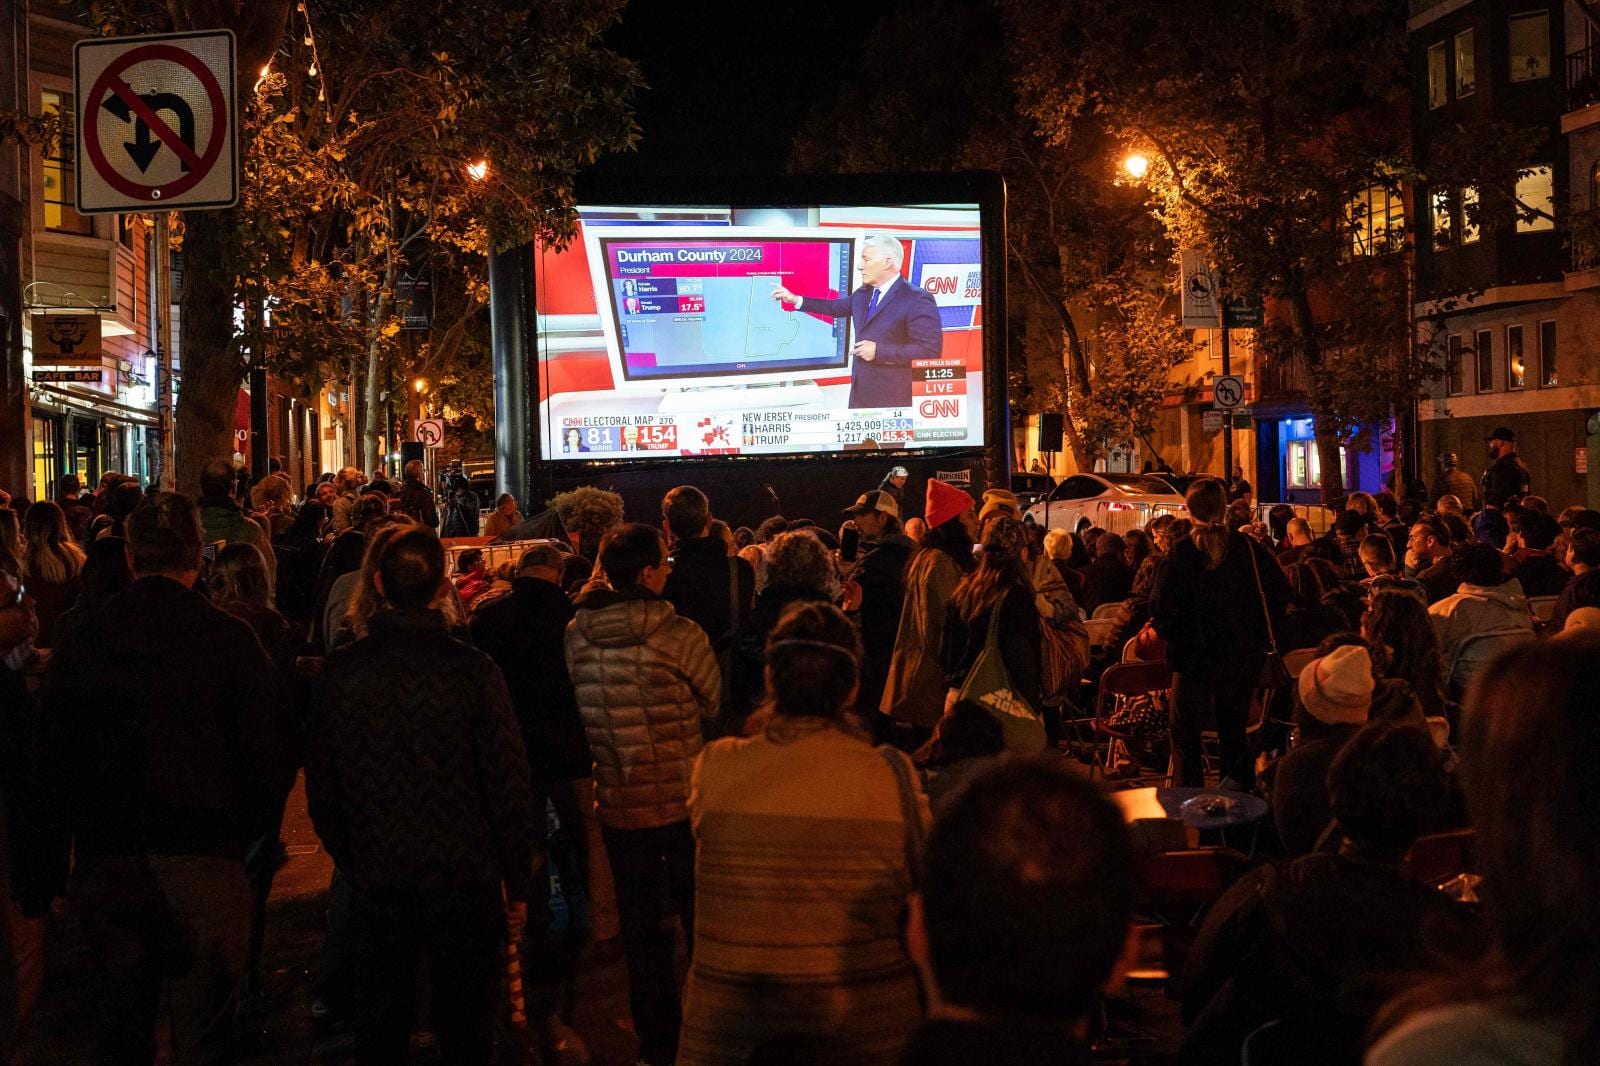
(986,189)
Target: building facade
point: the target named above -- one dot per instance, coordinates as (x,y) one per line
(1509,291)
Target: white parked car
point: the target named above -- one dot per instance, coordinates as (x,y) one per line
(1114,502)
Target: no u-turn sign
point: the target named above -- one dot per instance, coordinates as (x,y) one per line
(155,122)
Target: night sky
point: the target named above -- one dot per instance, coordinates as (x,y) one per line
(731,82)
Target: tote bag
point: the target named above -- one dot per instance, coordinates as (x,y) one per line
(988,684)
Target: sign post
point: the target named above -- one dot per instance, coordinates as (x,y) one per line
(157,131)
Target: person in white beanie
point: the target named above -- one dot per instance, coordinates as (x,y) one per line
(1335,698)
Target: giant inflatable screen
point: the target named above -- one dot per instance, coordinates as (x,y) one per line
(696,331)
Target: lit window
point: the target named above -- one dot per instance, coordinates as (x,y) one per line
(1485,360)
(1530,46)
(1454,375)
(1536,192)
(1471,229)
(60,177)
(1465,78)
(1547,354)
(1304,465)
(1438,87)
(1444,228)
(1516,369)
(1377,222)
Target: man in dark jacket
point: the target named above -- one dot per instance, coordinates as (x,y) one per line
(700,586)
(881,575)
(416,499)
(422,798)
(1506,478)
(1428,548)
(163,758)
(524,633)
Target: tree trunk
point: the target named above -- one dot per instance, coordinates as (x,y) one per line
(1309,348)
(373,420)
(209,389)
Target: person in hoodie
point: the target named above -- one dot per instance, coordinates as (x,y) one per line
(644,677)
(1484,601)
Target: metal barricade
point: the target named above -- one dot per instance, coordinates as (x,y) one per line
(494,555)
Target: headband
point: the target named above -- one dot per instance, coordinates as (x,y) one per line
(800,642)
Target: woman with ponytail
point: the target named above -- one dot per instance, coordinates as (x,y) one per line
(1211,604)
(807,842)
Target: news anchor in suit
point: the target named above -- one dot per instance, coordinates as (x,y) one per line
(894,322)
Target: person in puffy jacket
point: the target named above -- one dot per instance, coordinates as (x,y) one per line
(644,677)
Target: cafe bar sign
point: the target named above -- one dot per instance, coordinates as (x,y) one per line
(76,377)
(66,339)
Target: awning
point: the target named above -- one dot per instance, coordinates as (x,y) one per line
(100,404)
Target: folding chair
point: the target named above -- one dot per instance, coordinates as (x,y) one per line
(1297,660)
(1107,610)
(1469,657)
(1099,631)
(1122,682)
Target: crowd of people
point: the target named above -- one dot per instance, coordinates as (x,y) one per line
(852,763)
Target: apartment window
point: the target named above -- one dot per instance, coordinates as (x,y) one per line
(125,224)
(1444,223)
(1377,222)
(1536,191)
(1454,373)
(1465,77)
(1547,354)
(1516,369)
(1438,87)
(1471,221)
(1485,360)
(1530,46)
(60,177)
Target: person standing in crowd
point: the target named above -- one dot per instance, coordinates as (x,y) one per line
(1453,481)
(799,568)
(423,800)
(347,487)
(51,563)
(894,483)
(914,691)
(1506,478)
(299,554)
(880,574)
(505,516)
(1238,487)
(343,557)
(996,592)
(1349,530)
(105,573)
(1020,919)
(525,634)
(1524,991)
(416,499)
(162,762)
(644,679)
(706,585)
(221,519)
(1212,604)
(803,867)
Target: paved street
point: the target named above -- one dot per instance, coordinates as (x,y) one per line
(61,1032)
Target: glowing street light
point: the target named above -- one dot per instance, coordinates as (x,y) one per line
(420,385)
(478,169)
(1136,165)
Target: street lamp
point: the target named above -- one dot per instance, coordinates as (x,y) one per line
(478,169)
(1136,165)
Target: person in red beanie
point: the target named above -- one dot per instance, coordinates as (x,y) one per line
(913,694)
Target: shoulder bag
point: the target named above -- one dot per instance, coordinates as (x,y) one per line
(1274,675)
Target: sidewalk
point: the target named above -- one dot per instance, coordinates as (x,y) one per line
(61,1031)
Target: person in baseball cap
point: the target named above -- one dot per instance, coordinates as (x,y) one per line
(878,500)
